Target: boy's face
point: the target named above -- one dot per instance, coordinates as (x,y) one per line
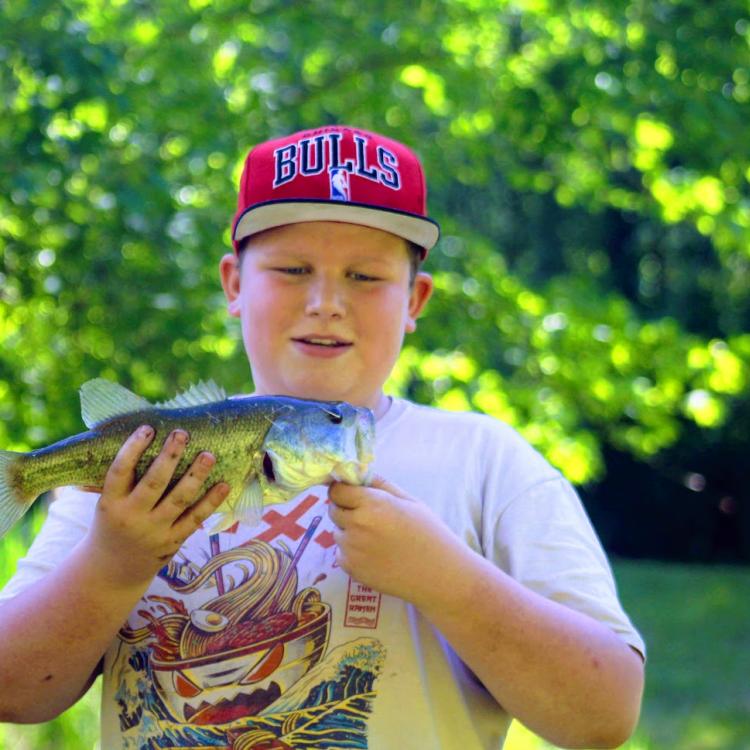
(324,307)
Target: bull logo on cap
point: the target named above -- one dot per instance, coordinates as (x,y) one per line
(339,179)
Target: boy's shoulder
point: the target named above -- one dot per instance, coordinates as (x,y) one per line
(460,448)
(473,431)
(476,422)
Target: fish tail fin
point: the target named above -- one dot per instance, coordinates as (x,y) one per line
(13,504)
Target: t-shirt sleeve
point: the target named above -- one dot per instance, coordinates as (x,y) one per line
(541,535)
(67,522)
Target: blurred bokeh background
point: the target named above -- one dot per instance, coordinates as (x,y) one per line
(589,164)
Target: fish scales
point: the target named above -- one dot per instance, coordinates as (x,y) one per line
(267,448)
(235,431)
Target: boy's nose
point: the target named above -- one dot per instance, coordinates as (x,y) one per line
(325,299)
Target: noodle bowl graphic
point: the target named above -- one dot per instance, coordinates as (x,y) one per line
(242,681)
(242,650)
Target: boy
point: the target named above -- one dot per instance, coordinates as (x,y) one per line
(463,586)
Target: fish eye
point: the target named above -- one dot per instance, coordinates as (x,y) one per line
(335,416)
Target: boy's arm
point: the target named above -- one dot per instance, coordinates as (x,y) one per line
(55,632)
(564,675)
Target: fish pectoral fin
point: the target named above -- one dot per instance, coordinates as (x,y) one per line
(246,510)
(249,504)
(102,399)
(202,393)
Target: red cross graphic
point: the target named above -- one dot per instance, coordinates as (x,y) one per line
(325,539)
(287,525)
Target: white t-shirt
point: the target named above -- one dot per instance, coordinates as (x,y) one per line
(258,640)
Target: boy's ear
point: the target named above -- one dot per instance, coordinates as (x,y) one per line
(229,268)
(421,292)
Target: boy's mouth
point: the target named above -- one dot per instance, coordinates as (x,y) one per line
(330,342)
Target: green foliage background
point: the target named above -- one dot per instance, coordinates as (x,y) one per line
(587,162)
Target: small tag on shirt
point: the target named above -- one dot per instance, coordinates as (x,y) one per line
(362,606)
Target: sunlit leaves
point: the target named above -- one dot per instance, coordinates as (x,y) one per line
(722,371)
(652,137)
(572,357)
(432,85)
(224,59)
(587,161)
(705,409)
(145,31)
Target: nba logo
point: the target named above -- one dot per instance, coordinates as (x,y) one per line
(339,179)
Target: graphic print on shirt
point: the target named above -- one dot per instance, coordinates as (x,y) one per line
(235,653)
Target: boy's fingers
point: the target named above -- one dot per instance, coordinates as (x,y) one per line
(337,515)
(152,484)
(121,474)
(351,496)
(379,483)
(345,495)
(185,492)
(194,517)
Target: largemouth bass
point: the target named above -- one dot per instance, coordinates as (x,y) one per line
(267,448)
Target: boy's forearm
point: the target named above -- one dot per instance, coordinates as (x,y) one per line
(54,635)
(55,632)
(562,674)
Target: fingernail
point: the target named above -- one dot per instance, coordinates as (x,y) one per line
(180,436)
(207,459)
(145,431)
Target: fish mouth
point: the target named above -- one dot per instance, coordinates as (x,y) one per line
(352,472)
(334,443)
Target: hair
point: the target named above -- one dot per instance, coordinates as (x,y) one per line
(416,255)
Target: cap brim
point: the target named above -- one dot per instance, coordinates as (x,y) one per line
(420,230)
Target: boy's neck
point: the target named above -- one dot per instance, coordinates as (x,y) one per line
(381,407)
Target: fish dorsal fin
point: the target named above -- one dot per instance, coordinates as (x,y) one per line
(102,399)
(202,393)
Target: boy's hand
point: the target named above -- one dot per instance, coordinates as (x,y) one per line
(137,528)
(388,540)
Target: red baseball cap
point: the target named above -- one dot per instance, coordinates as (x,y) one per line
(334,173)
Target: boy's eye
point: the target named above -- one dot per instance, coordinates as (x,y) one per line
(300,270)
